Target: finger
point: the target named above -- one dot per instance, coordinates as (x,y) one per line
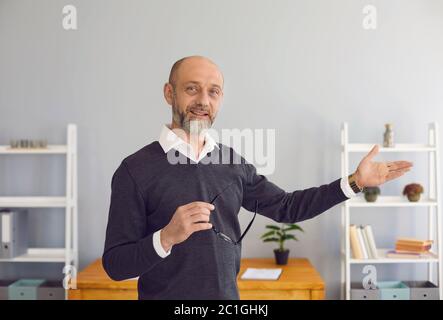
(396,174)
(399,165)
(201,226)
(401,169)
(400,162)
(372,153)
(202,204)
(197,210)
(199,218)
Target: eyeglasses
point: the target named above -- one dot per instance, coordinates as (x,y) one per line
(224,236)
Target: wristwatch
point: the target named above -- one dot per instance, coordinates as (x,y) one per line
(353,184)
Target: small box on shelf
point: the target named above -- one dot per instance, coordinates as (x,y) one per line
(51,290)
(360,293)
(423,290)
(4,288)
(393,290)
(396,290)
(24,289)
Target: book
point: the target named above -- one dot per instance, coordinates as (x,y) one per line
(414,241)
(413,245)
(366,243)
(362,243)
(412,248)
(410,255)
(355,244)
(261,274)
(371,240)
(409,251)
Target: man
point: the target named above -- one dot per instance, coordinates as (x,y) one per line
(175,225)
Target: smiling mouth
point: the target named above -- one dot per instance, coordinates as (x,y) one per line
(199,113)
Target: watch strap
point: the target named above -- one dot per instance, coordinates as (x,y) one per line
(353,184)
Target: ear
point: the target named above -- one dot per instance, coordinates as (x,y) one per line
(168,92)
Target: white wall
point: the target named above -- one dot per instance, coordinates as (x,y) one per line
(300,67)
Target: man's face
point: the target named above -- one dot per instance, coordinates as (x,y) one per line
(196,96)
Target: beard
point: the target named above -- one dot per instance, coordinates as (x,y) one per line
(190,124)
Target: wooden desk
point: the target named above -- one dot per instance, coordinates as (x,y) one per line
(94,284)
(299,280)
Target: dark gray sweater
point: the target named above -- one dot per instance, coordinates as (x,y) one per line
(146,191)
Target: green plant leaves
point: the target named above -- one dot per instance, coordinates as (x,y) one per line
(293,227)
(278,234)
(271,240)
(267,234)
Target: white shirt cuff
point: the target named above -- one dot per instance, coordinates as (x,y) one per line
(158,246)
(347,190)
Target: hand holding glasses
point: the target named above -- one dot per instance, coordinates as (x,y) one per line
(224,236)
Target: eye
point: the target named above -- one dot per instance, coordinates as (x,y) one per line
(215,92)
(191,89)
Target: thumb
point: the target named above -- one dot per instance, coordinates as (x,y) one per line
(372,153)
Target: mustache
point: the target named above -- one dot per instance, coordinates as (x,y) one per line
(198,107)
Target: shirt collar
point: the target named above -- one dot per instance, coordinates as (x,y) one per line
(170,140)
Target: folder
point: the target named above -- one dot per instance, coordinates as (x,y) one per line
(14,233)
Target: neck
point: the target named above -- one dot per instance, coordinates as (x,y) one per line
(196,141)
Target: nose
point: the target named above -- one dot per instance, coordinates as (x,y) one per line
(203,99)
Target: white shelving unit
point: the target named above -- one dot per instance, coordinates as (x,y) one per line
(432,203)
(69,254)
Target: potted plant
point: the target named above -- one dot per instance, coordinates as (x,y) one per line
(413,191)
(280,234)
(371,193)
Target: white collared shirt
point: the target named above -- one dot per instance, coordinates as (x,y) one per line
(169,140)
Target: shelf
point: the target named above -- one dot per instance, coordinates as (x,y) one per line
(51,149)
(40,255)
(430,202)
(68,199)
(400,147)
(390,201)
(382,259)
(33,202)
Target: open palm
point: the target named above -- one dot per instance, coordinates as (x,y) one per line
(370,173)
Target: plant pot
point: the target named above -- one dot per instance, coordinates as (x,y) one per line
(281,257)
(371,197)
(414,197)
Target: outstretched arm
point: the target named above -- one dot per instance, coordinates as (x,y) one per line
(299,205)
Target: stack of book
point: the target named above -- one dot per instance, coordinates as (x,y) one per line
(409,248)
(362,242)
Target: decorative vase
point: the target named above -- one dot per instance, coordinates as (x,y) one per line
(414,197)
(371,197)
(388,136)
(281,257)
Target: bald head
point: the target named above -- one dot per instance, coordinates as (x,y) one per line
(195,92)
(186,64)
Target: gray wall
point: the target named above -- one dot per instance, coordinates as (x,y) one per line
(301,67)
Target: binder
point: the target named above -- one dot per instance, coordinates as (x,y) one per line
(14,233)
